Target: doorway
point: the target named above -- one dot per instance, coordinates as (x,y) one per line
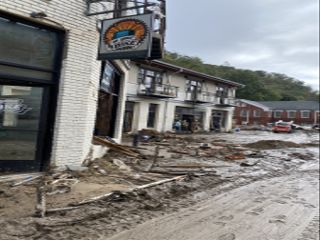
(30,63)
(128,117)
(108,101)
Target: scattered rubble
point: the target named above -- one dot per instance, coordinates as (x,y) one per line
(130,180)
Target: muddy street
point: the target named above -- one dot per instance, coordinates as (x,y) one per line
(247,185)
(283,208)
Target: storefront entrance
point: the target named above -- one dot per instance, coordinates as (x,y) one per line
(218,120)
(191,119)
(30,63)
(108,101)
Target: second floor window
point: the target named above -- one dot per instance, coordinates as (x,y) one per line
(149,78)
(222,91)
(193,86)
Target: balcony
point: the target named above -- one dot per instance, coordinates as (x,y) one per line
(200,97)
(226,102)
(158,90)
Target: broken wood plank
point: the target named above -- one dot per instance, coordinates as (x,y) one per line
(52,210)
(116,147)
(188,166)
(159,182)
(155,158)
(109,194)
(29,179)
(41,202)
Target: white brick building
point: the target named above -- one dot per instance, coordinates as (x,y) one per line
(60,75)
(160,94)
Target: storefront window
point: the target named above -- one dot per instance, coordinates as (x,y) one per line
(26,45)
(20,109)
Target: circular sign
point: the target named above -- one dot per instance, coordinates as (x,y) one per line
(125,34)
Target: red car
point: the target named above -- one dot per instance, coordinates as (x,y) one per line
(282,127)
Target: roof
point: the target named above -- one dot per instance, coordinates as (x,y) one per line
(189,72)
(256,104)
(291,105)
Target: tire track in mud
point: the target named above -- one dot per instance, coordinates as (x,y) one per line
(311,232)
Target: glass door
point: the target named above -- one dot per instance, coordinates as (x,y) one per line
(30,64)
(20,110)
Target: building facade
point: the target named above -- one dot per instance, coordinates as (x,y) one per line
(261,113)
(161,94)
(50,85)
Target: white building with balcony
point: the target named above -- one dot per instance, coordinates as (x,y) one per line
(160,94)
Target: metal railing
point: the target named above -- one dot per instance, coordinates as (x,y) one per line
(158,90)
(201,96)
(226,101)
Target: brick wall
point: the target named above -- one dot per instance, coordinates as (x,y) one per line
(298,119)
(250,118)
(268,117)
(79,81)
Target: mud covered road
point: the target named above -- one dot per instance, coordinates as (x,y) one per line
(277,208)
(271,193)
(285,208)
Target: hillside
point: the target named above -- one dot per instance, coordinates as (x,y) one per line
(260,85)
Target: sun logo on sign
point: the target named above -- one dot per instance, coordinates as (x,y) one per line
(125,34)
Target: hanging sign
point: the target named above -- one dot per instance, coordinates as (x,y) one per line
(126,38)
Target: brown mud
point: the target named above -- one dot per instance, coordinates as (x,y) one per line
(203,156)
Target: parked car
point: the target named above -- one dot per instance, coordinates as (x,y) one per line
(284,127)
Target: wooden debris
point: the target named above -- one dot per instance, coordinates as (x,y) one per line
(41,202)
(52,210)
(115,147)
(235,157)
(159,182)
(110,194)
(28,179)
(155,158)
(194,165)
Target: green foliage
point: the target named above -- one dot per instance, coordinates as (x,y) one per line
(259,85)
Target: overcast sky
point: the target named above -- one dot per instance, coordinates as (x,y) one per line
(273,35)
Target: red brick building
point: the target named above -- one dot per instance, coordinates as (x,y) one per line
(260,113)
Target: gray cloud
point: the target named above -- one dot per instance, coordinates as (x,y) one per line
(271,35)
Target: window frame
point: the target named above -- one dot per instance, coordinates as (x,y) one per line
(275,113)
(155,76)
(305,111)
(255,113)
(245,113)
(291,111)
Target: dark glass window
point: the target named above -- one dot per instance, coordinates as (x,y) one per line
(149,77)
(152,115)
(222,91)
(108,74)
(27,51)
(19,121)
(193,86)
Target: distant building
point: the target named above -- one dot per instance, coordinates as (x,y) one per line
(160,94)
(256,113)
